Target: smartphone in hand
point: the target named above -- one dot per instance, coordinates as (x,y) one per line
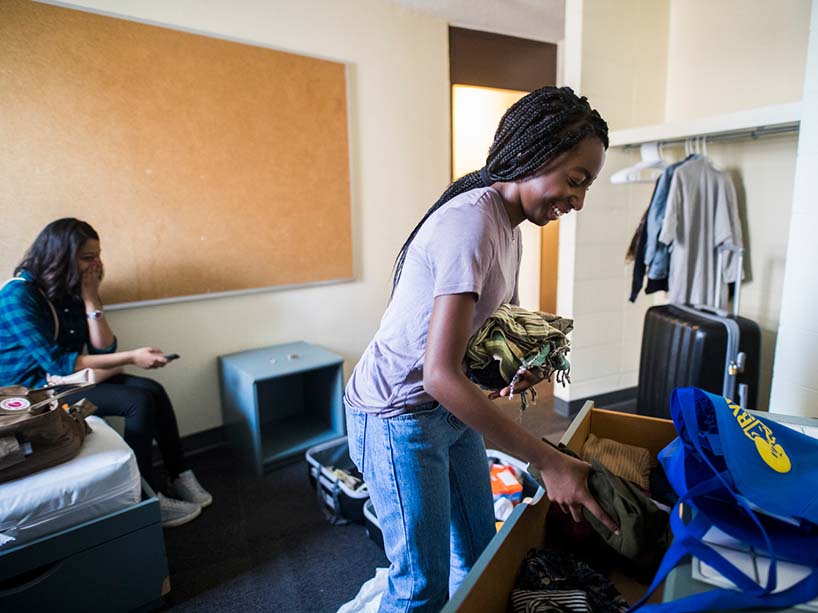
(171,356)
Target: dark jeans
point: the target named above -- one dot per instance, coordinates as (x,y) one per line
(148,415)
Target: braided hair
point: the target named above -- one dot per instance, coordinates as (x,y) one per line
(534,130)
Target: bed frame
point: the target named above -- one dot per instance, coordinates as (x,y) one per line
(116,562)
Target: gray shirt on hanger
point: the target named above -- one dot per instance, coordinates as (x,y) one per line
(701,214)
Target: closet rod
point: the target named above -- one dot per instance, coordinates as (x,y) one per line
(748,134)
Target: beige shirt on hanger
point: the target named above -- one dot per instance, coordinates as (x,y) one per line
(701,214)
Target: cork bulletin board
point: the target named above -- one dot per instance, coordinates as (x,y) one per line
(206,165)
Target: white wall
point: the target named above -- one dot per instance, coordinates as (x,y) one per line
(795,381)
(533,19)
(624,67)
(399,133)
(684,67)
(476,113)
(732,55)
(763,172)
(750,59)
(622,72)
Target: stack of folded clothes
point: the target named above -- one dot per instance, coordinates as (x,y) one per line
(514,340)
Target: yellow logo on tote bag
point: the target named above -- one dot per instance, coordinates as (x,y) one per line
(770,451)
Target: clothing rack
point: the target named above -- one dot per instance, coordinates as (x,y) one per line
(749,134)
(749,124)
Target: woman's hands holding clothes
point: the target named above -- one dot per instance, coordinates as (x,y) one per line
(565,478)
(566,484)
(148,357)
(526,380)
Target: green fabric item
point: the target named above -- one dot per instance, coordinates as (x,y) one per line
(518,338)
(643,527)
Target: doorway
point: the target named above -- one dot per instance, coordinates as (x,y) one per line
(490,72)
(476,111)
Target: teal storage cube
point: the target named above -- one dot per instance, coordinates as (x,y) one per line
(279,401)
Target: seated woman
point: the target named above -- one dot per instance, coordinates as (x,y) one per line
(50,313)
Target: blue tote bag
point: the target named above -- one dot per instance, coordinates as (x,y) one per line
(750,477)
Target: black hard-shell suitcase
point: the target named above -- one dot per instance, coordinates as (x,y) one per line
(680,349)
(698,346)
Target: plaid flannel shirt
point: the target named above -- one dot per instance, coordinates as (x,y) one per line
(28,349)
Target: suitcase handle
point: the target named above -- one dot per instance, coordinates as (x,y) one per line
(743,390)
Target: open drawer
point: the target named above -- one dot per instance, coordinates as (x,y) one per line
(116,562)
(488,586)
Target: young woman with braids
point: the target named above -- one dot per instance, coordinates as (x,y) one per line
(415,421)
(58,279)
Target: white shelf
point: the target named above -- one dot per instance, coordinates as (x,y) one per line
(779,115)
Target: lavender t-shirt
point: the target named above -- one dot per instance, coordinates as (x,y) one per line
(466,246)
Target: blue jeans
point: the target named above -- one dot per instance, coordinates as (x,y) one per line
(428,478)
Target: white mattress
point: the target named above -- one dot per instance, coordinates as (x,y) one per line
(101,479)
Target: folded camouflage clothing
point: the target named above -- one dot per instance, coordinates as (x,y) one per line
(514,339)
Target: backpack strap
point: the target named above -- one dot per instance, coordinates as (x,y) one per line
(71,388)
(50,305)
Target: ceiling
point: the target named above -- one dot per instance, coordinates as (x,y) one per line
(542,20)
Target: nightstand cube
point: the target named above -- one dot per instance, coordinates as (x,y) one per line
(278,401)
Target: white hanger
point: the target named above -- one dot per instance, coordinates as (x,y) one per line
(645,171)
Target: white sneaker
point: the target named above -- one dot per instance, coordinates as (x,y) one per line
(186,487)
(177,512)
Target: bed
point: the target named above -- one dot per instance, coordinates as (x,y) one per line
(83,535)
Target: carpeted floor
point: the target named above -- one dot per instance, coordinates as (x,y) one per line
(264,544)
